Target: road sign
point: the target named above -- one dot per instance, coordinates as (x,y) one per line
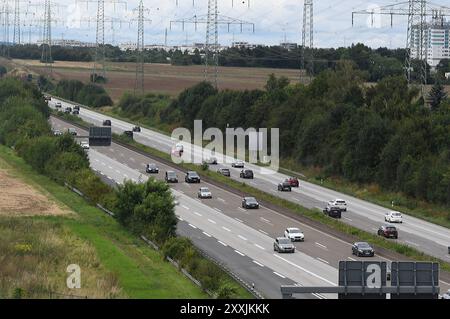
(369,275)
(100,136)
(368,280)
(415,274)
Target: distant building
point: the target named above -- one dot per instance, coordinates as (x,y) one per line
(69,43)
(289,45)
(437,36)
(447,75)
(244,45)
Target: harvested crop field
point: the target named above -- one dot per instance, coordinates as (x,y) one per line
(20,199)
(162,78)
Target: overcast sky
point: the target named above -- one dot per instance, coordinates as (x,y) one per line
(274,21)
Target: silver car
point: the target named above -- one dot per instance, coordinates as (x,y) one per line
(283,245)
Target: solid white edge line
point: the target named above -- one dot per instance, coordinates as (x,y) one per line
(222,243)
(192,226)
(305,270)
(259,264)
(206,234)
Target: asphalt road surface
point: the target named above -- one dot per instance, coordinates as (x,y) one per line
(247,234)
(424,236)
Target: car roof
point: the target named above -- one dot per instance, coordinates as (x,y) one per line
(362,243)
(294,228)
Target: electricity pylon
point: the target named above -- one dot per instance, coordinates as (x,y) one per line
(308,35)
(417,39)
(139,81)
(47,39)
(100,52)
(212,20)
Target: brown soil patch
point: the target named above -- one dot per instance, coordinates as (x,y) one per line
(20,199)
(161,78)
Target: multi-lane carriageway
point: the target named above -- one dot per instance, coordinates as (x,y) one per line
(241,239)
(424,236)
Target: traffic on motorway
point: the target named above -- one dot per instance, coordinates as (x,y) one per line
(419,234)
(312,247)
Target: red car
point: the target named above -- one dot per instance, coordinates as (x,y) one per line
(293,181)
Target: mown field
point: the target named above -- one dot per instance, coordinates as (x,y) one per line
(161,78)
(37,245)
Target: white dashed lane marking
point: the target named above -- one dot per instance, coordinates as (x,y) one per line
(259,264)
(279,275)
(238,252)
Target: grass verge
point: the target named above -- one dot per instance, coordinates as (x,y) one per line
(140,271)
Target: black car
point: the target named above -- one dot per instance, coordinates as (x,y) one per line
(58,105)
(76,107)
(68,110)
(76,112)
(171,177)
(224,172)
(362,249)
(106,123)
(388,231)
(283,245)
(137,129)
(246,173)
(192,177)
(250,202)
(72,131)
(285,187)
(334,212)
(152,169)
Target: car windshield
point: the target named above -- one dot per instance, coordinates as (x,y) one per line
(204,189)
(295,230)
(171,174)
(340,202)
(391,228)
(193,174)
(284,241)
(396,214)
(363,245)
(152,165)
(250,200)
(226,170)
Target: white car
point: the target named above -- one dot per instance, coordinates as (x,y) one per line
(294,234)
(238,164)
(393,217)
(204,192)
(446,295)
(339,203)
(84,145)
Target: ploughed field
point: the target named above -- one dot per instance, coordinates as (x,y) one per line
(162,78)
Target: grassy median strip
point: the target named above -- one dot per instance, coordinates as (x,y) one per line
(140,271)
(405,250)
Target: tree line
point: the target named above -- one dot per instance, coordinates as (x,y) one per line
(366,134)
(376,63)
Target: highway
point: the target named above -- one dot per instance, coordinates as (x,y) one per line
(241,239)
(419,234)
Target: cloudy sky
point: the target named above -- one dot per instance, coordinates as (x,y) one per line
(275,20)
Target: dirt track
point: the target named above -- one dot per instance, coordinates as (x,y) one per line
(19,199)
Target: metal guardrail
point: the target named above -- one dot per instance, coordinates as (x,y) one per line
(233,275)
